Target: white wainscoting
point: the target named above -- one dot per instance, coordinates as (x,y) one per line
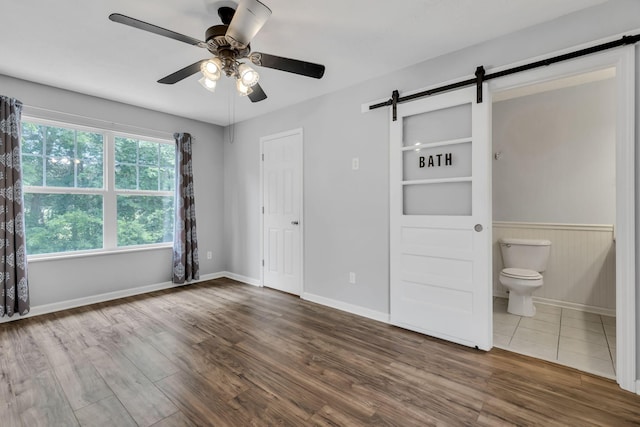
(582,267)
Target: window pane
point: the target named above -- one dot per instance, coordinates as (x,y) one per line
(144,165)
(126,177)
(437,126)
(60,143)
(447,198)
(148,178)
(32,170)
(59,172)
(167,179)
(62,222)
(440,162)
(167,155)
(32,138)
(72,158)
(89,155)
(148,153)
(144,220)
(126,150)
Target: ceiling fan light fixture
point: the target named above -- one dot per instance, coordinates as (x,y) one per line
(229,44)
(208,84)
(243,90)
(248,75)
(212,69)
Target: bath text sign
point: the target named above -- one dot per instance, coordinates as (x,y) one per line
(436,160)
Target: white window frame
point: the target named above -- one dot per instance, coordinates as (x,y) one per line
(108,191)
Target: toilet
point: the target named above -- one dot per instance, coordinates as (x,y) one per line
(524,261)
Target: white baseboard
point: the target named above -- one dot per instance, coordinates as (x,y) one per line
(349,308)
(638,387)
(580,307)
(109,296)
(244,279)
(564,304)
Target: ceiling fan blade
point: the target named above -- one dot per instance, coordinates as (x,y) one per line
(141,25)
(181,74)
(249,18)
(295,66)
(258,94)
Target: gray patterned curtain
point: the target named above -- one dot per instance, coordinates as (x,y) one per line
(185,241)
(14,289)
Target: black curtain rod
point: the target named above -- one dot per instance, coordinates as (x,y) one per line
(480,76)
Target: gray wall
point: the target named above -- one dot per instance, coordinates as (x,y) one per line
(557,160)
(64,279)
(346,212)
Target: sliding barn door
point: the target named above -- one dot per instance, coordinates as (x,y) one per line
(440,237)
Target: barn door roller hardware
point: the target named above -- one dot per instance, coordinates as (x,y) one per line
(481,76)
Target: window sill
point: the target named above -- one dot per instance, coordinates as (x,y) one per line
(100,252)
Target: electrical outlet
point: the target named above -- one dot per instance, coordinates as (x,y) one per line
(355,163)
(352,277)
(209,254)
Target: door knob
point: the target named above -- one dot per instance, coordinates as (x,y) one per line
(478,228)
(294,222)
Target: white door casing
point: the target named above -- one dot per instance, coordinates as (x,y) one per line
(440,218)
(281,157)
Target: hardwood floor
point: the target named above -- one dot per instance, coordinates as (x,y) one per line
(221,353)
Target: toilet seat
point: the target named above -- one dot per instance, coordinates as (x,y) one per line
(521,273)
(521,283)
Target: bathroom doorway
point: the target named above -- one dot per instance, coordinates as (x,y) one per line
(558,143)
(554,179)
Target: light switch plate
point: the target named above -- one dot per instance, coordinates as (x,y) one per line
(355,163)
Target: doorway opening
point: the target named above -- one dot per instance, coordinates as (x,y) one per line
(558,172)
(554,176)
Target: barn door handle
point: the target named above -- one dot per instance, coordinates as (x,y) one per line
(294,222)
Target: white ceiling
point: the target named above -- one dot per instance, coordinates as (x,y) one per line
(73,45)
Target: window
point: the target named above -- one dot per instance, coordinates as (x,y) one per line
(75,202)
(144,182)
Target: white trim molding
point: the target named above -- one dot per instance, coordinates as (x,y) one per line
(554,226)
(578,307)
(565,304)
(108,296)
(349,308)
(243,279)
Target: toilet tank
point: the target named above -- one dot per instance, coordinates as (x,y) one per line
(525,253)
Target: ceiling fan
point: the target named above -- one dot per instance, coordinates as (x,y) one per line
(229,44)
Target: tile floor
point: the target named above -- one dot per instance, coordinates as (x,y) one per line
(584,341)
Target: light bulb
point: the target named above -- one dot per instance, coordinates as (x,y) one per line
(248,75)
(208,84)
(242,89)
(211,69)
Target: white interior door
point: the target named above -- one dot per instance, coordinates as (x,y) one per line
(440,201)
(282,211)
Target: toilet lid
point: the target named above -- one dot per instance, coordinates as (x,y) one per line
(521,273)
